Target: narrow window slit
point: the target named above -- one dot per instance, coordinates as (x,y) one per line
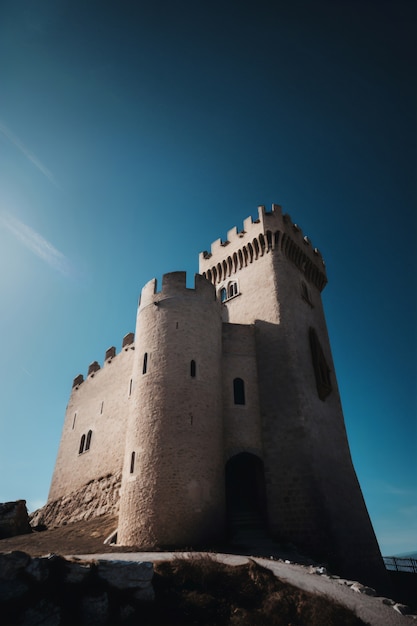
(132,462)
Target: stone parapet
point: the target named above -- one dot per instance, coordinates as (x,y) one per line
(272,231)
(128,343)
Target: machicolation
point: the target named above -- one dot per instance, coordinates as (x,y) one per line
(220,418)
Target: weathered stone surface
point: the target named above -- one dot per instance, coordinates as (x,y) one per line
(125,574)
(35,591)
(126,611)
(401,608)
(363,589)
(14,519)
(38,569)
(146,594)
(12,590)
(42,614)
(98,497)
(11,563)
(95,609)
(76,573)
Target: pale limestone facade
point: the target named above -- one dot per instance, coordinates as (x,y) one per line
(224,409)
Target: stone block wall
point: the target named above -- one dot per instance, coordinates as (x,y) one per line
(99,405)
(173,482)
(242,422)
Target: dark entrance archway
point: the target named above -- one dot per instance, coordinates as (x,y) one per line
(245,498)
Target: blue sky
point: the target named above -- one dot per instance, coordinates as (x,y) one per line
(133,134)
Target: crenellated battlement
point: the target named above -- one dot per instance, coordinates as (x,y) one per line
(174,284)
(110,354)
(271,231)
(251,229)
(224,401)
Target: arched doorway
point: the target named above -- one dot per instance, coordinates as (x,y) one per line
(245,497)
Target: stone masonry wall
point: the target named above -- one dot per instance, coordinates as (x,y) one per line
(100,405)
(242,422)
(173,489)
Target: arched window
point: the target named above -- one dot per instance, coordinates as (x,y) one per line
(321,369)
(145,363)
(239,391)
(232,290)
(82,442)
(256,248)
(132,462)
(223,294)
(88,440)
(193,369)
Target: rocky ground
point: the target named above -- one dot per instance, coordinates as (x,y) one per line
(82,537)
(86,538)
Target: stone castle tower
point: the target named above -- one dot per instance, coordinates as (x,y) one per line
(223,411)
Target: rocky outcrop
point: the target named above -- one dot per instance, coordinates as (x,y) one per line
(14,519)
(96,498)
(52,590)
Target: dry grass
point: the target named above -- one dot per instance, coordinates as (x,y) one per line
(203,591)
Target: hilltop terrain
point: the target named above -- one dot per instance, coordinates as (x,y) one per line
(221,588)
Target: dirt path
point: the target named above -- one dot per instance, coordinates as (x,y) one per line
(370,609)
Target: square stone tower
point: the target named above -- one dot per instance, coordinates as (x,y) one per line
(269,276)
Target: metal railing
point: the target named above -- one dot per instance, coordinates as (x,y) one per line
(400,564)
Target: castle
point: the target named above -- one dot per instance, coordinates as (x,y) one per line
(223,411)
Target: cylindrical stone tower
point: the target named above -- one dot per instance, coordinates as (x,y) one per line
(173,476)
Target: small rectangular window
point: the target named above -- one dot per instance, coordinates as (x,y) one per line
(145,363)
